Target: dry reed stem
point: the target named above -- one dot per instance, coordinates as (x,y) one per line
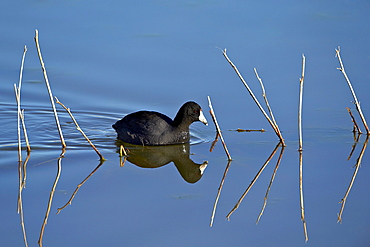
(79,128)
(25,132)
(301,81)
(271,181)
(122,153)
(355,126)
(49,89)
(51,197)
(253,181)
(358,164)
(79,186)
(278,133)
(356,102)
(243,130)
(21,117)
(17,91)
(300,148)
(356,133)
(218,128)
(219,192)
(21,166)
(266,101)
(18,123)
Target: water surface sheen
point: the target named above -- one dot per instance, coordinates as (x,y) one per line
(105,60)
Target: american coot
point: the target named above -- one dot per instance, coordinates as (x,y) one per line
(153,128)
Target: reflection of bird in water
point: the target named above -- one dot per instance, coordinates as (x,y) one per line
(153,128)
(157,156)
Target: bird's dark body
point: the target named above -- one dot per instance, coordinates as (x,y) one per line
(151,128)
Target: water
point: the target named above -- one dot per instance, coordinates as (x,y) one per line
(105,60)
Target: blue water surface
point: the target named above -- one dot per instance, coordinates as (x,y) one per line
(107,59)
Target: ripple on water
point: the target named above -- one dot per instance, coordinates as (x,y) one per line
(43,134)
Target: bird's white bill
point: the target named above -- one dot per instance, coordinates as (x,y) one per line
(202,118)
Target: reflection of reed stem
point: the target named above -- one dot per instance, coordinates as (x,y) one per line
(357,103)
(218,128)
(219,192)
(51,197)
(271,181)
(356,138)
(274,127)
(79,129)
(301,194)
(49,89)
(253,181)
(79,186)
(22,181)
(358,164)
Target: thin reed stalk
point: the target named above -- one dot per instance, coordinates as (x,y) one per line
(355,125)
(17,91)
(25,132)
(21,165)
(274,127)
(49,89)
(21,117)
(357,103)
(301,81)
(79,128)
(249,130)
(18,123)
(122,153)
(266,101)
(218,128)
(300,148)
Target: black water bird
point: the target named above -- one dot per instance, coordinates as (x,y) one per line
(151,128)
